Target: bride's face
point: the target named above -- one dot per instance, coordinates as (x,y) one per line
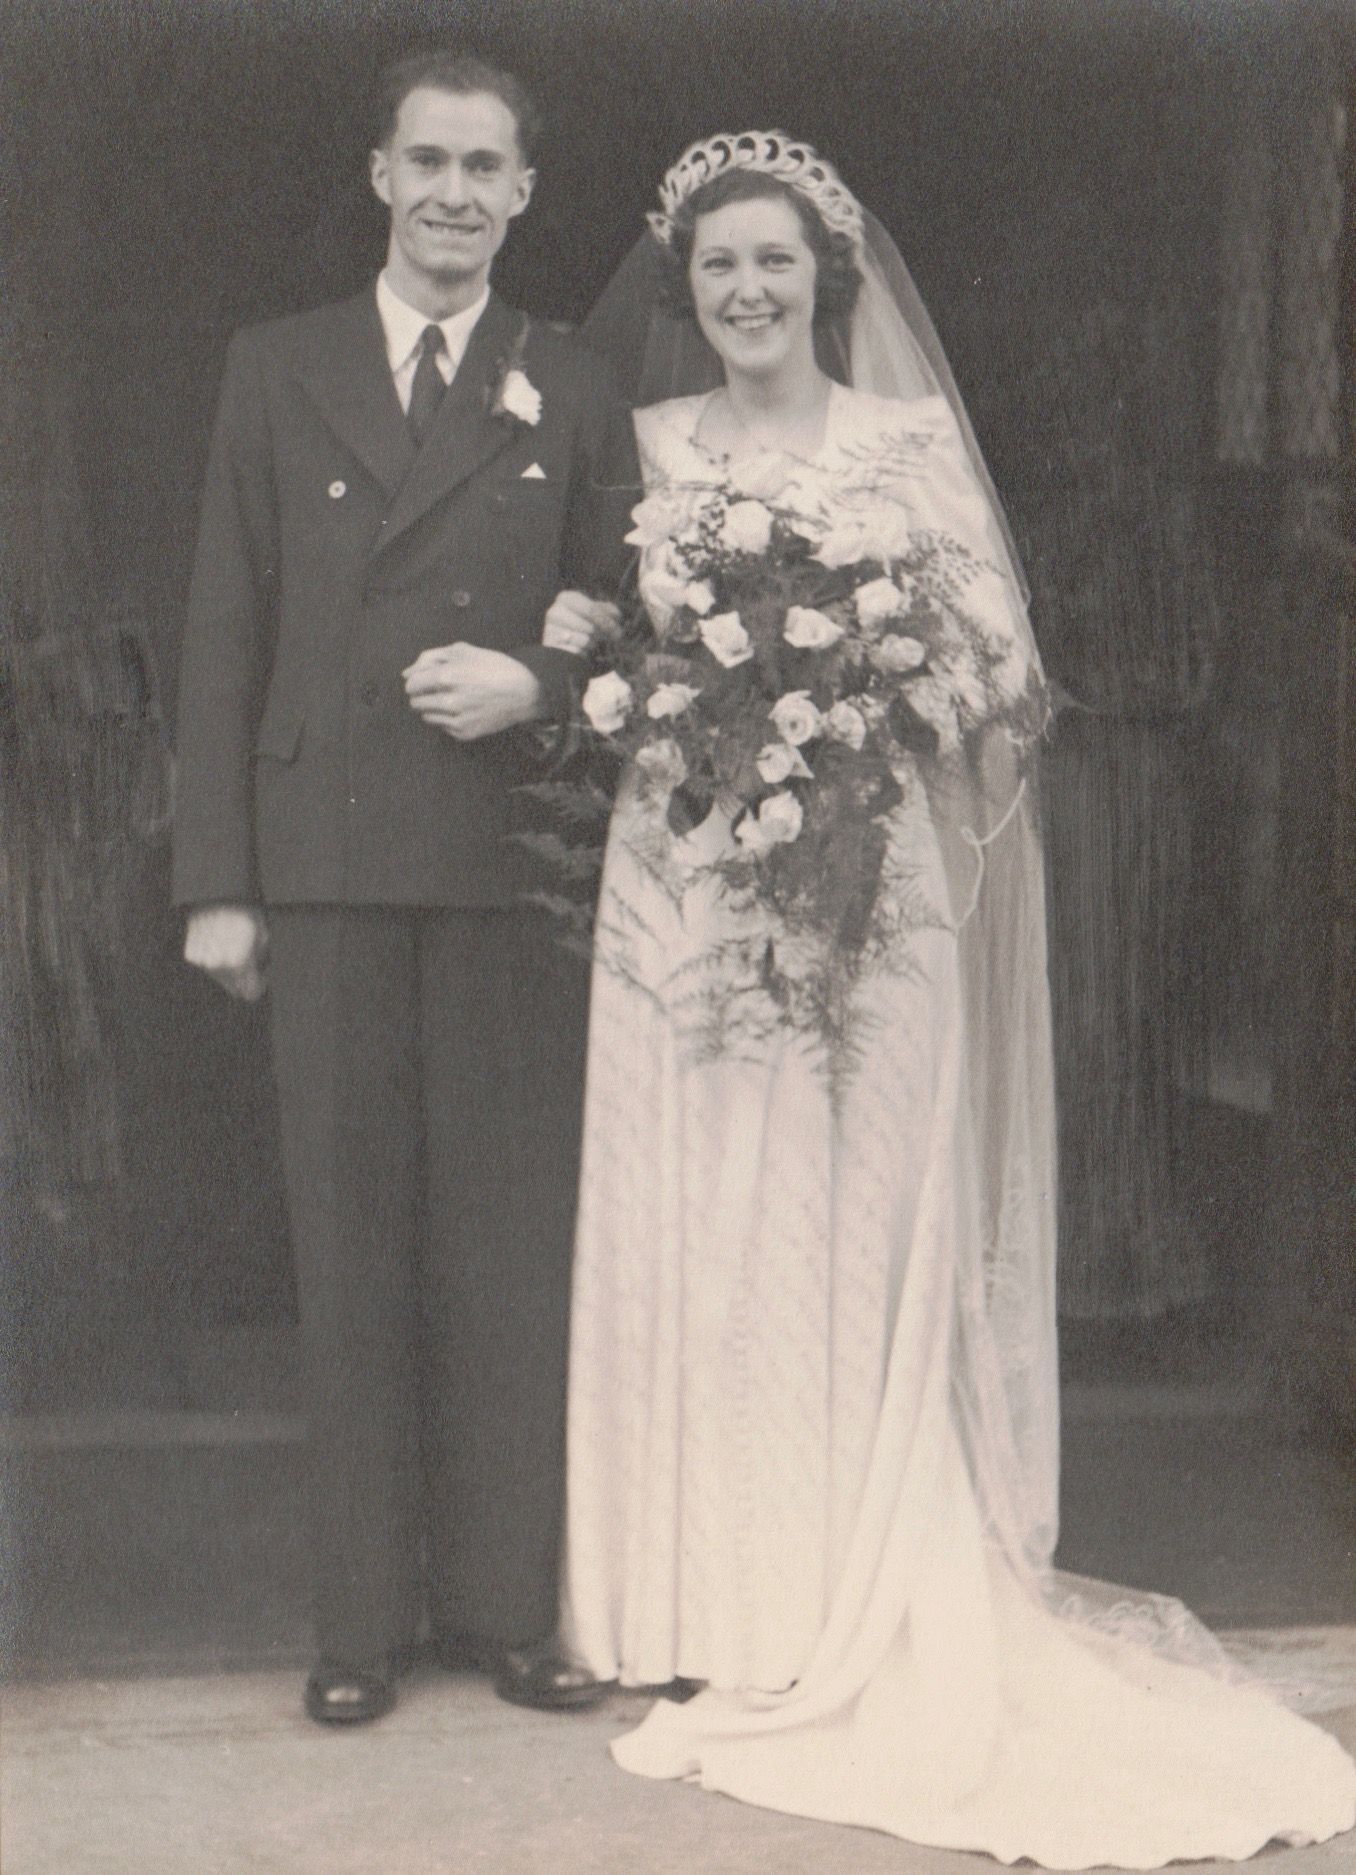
(753,283)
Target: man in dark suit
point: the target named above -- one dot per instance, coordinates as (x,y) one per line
(398,487)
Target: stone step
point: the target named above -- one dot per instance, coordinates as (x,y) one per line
(160,1541)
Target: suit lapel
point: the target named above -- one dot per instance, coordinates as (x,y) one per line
(350,381)
(464,435)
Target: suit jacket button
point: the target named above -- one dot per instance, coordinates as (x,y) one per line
(461,598)
(338,490)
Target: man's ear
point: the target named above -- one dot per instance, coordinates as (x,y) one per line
(379,168)
(522,195)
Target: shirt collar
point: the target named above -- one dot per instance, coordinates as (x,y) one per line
(404,325)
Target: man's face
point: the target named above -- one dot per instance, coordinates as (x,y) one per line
(453,177)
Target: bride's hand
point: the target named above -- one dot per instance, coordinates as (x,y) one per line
(574,622)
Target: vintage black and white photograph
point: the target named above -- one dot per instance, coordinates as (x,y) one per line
(678,1081)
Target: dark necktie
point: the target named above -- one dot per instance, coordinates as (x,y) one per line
(426,392)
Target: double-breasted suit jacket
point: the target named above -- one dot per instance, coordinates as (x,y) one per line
(428,1037)
(331,553)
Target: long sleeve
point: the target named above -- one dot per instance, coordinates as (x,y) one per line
(594,555)
(227,646)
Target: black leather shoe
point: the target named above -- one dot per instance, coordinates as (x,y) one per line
(533,1674)
(539,1676)
(680,1691)
(343,1696)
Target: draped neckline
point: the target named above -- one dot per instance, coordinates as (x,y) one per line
(728,464)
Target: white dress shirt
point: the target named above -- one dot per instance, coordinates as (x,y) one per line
(404,326)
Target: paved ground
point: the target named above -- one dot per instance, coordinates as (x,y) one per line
(142,1563)
(220,1776)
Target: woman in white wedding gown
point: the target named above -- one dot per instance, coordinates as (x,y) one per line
(812,1432)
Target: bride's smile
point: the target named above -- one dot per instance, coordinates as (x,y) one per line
(753,285)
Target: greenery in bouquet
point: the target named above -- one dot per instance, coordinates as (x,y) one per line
(791,671)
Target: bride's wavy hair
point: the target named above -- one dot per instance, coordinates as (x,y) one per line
(838,278)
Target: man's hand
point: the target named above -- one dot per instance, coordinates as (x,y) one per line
(470,691)
(229,942)
(574,622)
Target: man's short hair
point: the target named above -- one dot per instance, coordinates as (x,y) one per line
(460,73)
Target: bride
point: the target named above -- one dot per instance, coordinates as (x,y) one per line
(812,1425)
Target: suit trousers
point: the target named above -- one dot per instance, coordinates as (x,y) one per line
(429,1066)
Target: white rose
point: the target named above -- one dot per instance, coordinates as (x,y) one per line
(667,586)
(779,761)
(671,700)
(607,702)
(726,639)
(663,762)
(648,522)
(781,817)
(845,723)
(664,580)
(796,717)
(897,654)
(747,527)
(779,821)
(659,517)
(810,630)
(936,705)
(520,398)
(840,545)
(877,601)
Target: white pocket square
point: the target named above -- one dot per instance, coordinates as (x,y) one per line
(535,474)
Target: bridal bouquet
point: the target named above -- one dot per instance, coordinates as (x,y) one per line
(791,668)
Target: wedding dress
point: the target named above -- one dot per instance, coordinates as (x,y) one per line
(812,1406)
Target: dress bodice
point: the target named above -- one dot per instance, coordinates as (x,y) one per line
(907,442)
(904,459)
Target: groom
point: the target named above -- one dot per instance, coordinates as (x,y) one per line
(397,487)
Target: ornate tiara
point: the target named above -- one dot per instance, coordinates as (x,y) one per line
(772,153)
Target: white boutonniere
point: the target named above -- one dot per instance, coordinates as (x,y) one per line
(517,396)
